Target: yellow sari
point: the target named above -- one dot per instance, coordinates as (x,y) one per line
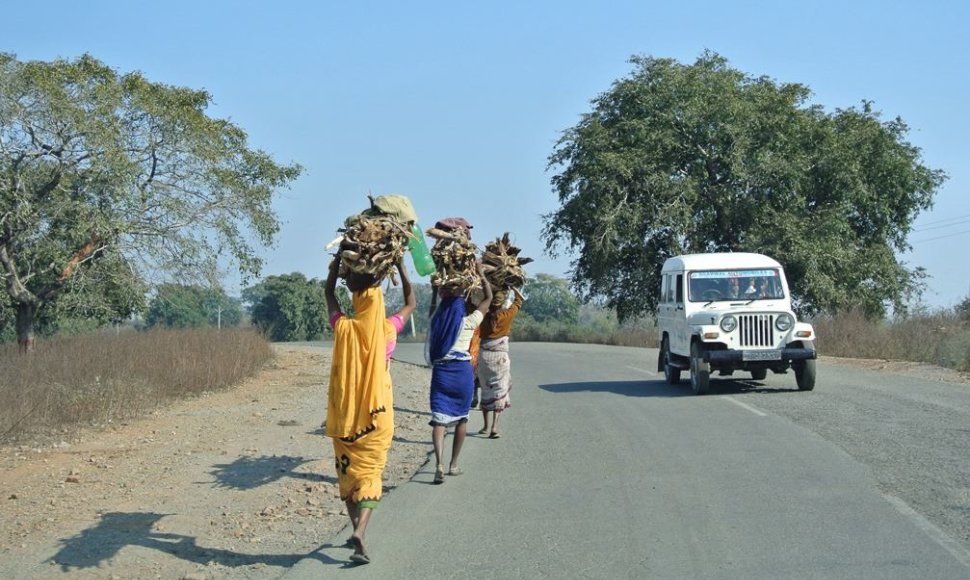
(360,406)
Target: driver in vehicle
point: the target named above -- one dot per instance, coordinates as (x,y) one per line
(698,288)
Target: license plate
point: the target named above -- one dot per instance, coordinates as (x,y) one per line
(773,354)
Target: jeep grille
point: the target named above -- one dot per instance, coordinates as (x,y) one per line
(756,330)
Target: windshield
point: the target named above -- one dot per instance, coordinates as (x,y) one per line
(757,284)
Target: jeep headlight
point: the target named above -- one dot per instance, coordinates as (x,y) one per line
(784,322)
(729,323)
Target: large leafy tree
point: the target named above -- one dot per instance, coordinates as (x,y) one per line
(682,158)
(107,179)
(550,300)
(290,307)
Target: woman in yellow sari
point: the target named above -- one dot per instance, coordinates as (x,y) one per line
(360,406)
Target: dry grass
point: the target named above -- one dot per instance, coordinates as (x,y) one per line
(940,338)
(640,335)
(69,382)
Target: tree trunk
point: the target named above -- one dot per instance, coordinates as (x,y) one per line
(26,315)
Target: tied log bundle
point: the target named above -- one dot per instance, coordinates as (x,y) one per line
(372,244)
(456,261)
(502,266)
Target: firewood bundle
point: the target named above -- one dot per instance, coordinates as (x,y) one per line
(372,245)
(456,260)
(503,267)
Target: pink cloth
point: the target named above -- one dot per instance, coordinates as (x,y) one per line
(396,321)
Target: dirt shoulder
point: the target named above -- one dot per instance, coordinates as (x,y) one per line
(924,371)
(236,484)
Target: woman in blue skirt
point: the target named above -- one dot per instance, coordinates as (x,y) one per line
(452,377)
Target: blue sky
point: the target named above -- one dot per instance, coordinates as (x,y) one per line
(458,105)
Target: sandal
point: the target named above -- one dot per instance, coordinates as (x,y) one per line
(439,475)
(494,435)
(359,556)
(455,471)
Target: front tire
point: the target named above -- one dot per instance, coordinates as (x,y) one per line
(805,375)
(671,373)
(700,371)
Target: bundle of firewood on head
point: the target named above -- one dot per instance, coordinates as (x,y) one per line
(456,261)
(502,266)
(371,245)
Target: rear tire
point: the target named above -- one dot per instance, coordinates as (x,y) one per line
(805,375)
(759,374)
(700,371)
(671,373)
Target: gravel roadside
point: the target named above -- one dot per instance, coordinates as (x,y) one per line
(235,484)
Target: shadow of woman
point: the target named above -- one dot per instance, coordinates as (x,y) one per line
(117,530)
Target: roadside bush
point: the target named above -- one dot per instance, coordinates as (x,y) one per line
(95,379)
(940,338)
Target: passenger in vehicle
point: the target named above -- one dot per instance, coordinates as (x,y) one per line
(766,289)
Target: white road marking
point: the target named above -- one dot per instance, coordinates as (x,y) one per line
(935,533)
(745,406)
(641,370)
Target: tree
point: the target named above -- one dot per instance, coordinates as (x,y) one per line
(191,306)
(962,309)
(223,310)
(703,158)
(394,301)
(290,307)
(106,178)
(550,300)
(7,320)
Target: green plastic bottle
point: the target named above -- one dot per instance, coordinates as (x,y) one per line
(420,254)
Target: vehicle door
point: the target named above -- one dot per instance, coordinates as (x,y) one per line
(679,342)
(663,315)
(665,305)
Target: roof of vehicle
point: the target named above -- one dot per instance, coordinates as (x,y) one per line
(719,261)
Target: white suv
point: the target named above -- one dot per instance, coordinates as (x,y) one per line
(730,312)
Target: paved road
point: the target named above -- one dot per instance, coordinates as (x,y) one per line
(606,472)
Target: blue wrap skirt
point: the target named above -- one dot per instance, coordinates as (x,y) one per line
(452,386)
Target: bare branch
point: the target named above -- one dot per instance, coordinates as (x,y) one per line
(87,252)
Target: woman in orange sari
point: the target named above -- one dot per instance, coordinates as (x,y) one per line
(360,405)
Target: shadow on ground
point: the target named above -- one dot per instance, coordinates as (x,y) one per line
(659,388)
(627,388)
(252,472)
(405,410)
(115,531)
